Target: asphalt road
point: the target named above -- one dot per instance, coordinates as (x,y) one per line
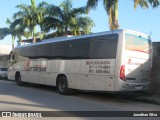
(41,98)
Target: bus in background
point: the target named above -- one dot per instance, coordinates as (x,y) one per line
(4,55)
(113,61)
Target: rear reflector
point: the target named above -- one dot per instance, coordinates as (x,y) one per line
(122,73)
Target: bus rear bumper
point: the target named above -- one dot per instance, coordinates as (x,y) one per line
(135,87)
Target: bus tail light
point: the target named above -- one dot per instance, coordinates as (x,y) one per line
(122,73)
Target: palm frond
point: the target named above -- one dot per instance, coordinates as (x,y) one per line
(8,21)
(50,23)
(145,3)
(91,4)
(66,6)
(154,3)
(79,11)
(3,32)
(53,10)
(142,3)
(17,22)
(43,4)
(23,7)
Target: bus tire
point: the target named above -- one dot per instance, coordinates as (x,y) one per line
(18,80)
(62,86)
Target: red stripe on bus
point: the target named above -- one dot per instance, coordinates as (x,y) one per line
(139,51)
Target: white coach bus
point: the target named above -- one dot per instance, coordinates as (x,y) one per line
(117,60)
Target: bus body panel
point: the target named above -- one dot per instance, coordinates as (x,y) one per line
(97,75)
(119,61)
(137,70)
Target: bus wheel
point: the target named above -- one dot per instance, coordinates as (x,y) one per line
(62,86)
(18,80)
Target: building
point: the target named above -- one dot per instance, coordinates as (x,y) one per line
(4,55)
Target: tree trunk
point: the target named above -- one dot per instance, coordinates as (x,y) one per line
(66,31)
(33,5)
(34,40)
(13,38)
(34,37)
(116,25)
(111,18)
(19,40)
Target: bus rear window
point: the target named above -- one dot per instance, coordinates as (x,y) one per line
(137,43)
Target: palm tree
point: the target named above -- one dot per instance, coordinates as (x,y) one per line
(81,25)
(111,7)
(64,18)
(4,32)
(17,29)
(31,16)
(12,30)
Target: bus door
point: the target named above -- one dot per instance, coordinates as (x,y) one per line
(137,59)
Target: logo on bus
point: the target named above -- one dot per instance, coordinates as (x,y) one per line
(130,62)
(27,64)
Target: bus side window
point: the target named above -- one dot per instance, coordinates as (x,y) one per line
(104,47)
(60,51)
(45,51)
(79,49)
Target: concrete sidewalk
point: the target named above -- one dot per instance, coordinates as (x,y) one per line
(153,99)
(140,97)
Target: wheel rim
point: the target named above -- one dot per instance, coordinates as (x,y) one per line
(62,86)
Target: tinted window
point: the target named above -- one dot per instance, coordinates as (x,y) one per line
(60,51)
(104,47)
(99,47)
(25,51)
(31,52)
(79,49)
(34,51)
(45,50)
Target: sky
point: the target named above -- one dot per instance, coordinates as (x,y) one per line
(142,20)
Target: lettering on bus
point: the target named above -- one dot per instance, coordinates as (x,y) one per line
(98,67)
(36,68)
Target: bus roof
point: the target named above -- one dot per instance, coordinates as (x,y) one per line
(63,38)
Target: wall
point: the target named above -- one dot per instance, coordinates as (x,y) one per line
(4,54)
(155,86)
(4,61)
